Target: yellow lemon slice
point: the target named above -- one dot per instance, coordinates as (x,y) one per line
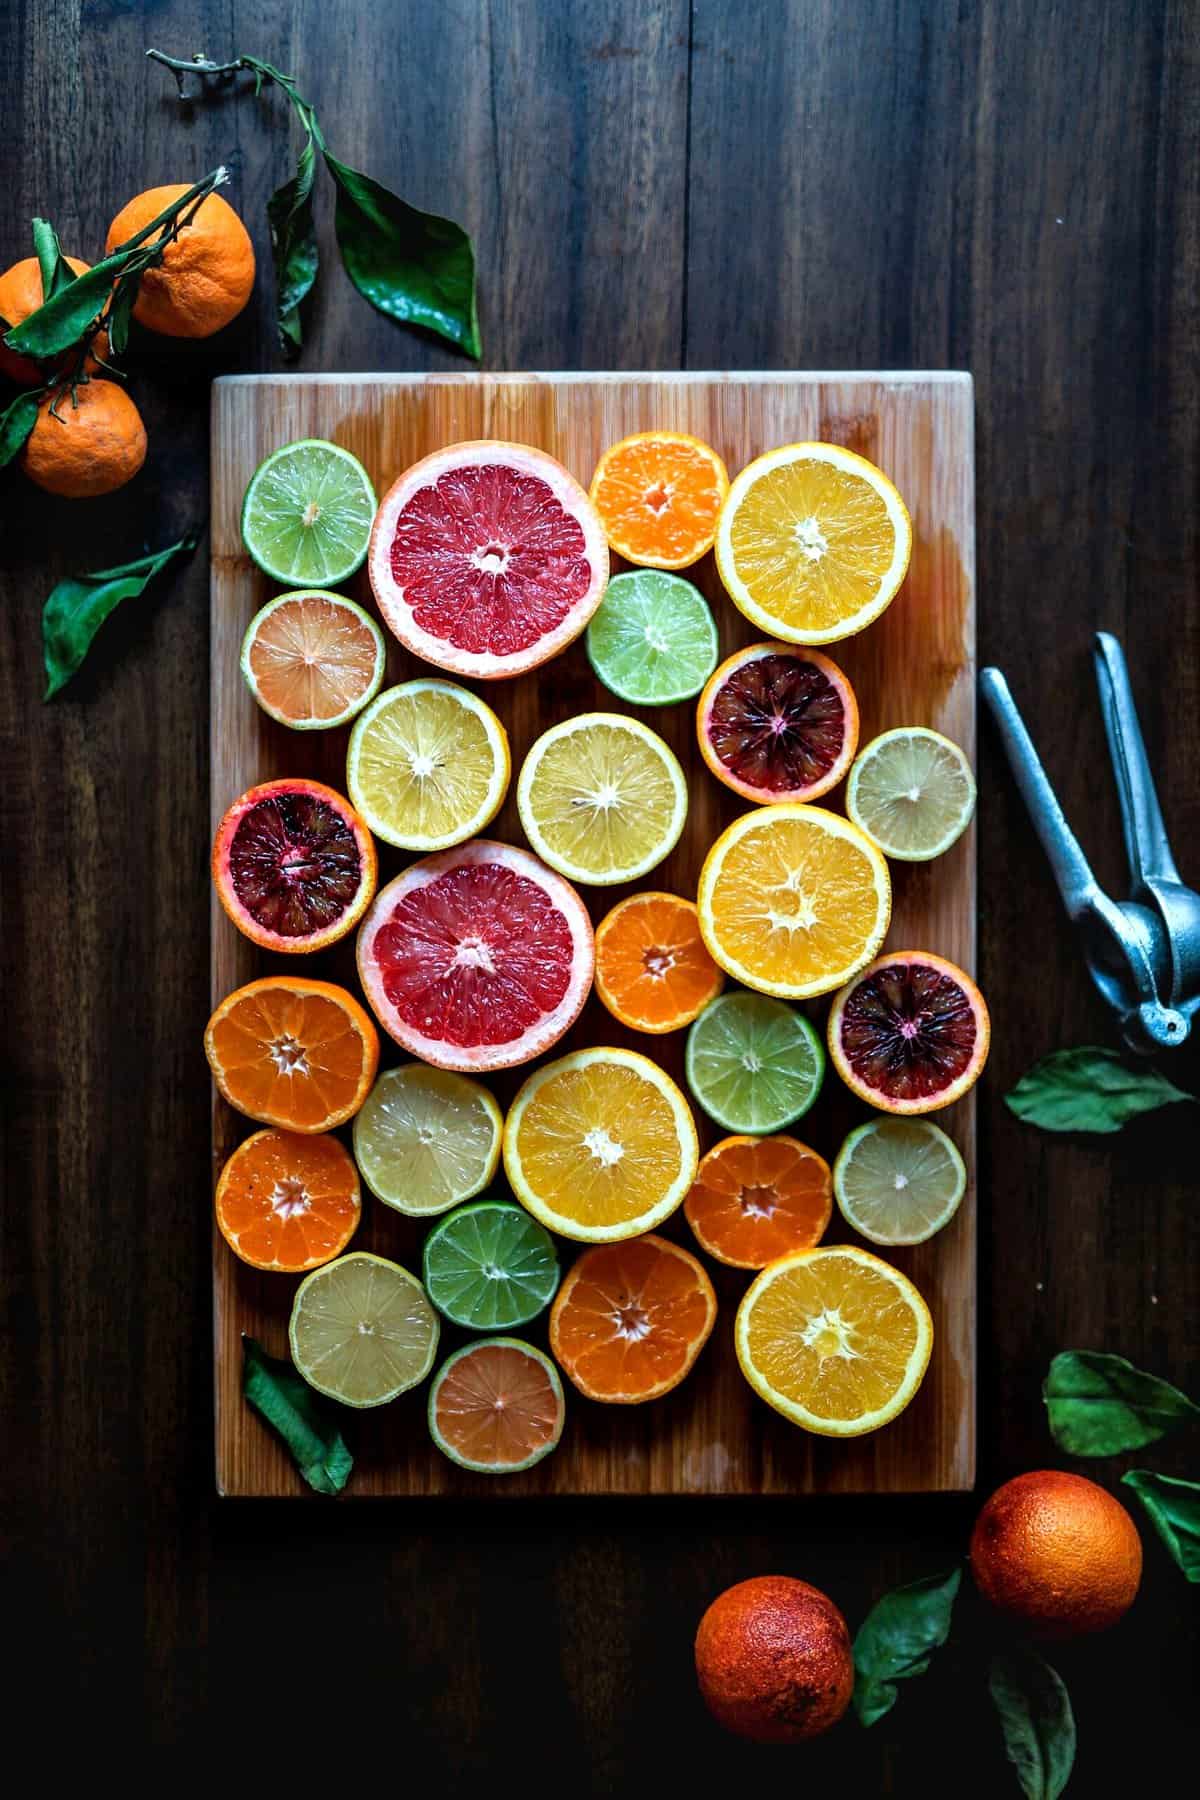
(428,765)
(602,799)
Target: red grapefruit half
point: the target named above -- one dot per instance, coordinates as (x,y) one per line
(911,1033)
(477,958)
(778,723)
(294,865)
(486,558)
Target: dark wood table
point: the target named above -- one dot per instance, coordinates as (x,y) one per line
(1011,188)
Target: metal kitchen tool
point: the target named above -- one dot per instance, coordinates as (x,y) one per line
(1143,953)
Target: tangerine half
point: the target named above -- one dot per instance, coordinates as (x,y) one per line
(294,1053)
(288,1201)
(631,1318)
(659,495)
(653,971)
(756,1198)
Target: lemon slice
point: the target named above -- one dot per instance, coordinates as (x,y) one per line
(836,1340)
(600,1145)
(426,1139)
(602,799)
(813,542)
(428,765)
(897,1181)
(912,792)
(362,1330)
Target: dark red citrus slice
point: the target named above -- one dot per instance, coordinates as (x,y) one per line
(910,1034)
(777,723)
(486,558)
(478,958)
(294,865)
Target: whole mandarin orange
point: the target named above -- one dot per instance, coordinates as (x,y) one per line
(21,294)
(1057,1553)
(92,445)
(206,275)
(773,1660)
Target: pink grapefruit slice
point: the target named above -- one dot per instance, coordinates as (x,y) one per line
(477,958)
(910,1034)
(486,558)
(778,723)
(294,866)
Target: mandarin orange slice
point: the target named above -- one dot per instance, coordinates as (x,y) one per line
(754,1199)
(631,1318)
(659,495)
(294,1053)
(652,969)
(288,1201)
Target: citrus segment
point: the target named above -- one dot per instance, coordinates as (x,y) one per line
(312,660)
(288,1201)
(294,865)
(630,1319)
(898,1181)
(602,799)
(755,1199)
(362,1330)
(426,1139)
(754,1064)
(653,640)
(911,1033)
(490,1266)
(652,970)
(659,495)
(298,1054)
(428,765)
(912,792)
(778,724)
(306,515)
(497,1407)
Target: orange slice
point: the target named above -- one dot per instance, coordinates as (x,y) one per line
(631,1319)
(294,1053)
(313,659)
(288,1201)
(659,495)
(911,1033)
(652,970)
(754,1199)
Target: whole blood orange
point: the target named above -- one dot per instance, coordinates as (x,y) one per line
(294,865)
(1057,1553)
(206,274)
(93,442)
(773,1660)
(21,294)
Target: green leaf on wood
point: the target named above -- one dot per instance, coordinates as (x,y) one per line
(1037,1722)
(1101,1405)
(897,1638)
(1174,1510)
(1089,1089)
(56,270)
(307,1426)
(293,247)
(79,605)
(16,422)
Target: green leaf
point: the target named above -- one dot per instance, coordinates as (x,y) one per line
(411,265)
(1037,1721)
(290,1407)
(56,271)
(896,1639)
(16,422)
(1090,1089)
(79,605)
(1102,1406)
(293,247)
(118,316)
(1174,1510)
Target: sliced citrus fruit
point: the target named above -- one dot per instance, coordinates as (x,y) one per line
(294,865)
(834,1339)
(653,640)
(362,1330)
(813,542)
(776,723)
(630,1319)
(912,792)
(287,1200)
(756,1198)
(306,516)
(652,969)
(486,558)
(754,1064)
(477,958)
(600,1145)
(911,1033)
(426,1139)
(793,900)
(897,1181)
(602,799)
(298,1054)
(489,1266)
(312,660)
(428,765)
(659,494)
(497,1407)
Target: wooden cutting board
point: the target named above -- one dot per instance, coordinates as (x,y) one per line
(916,666)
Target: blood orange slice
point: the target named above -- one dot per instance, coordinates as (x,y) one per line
(487,557)
(294,865)
(910,1034)
(478,958)
(776,723)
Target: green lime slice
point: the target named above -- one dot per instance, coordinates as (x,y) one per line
(496,1406)
(362,1330)
(897,1181)
(489,1266)
(753,1063)
(307,514)
(652,640)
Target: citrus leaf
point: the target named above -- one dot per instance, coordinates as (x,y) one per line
(118,316)
(1037,1722)
(1174,1510)
(293,247)
(1101,1405)
(62,320)
(307,1426)
(79,605)
(56,271)
(1089,1089)
(896,1639)
(411,265)
(16,422)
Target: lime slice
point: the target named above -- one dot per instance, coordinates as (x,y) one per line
(754,1064)
(653,640)
(426,1139)
(307,514)
(490,1266)
(897,1181)
(912,792)
(428,765)
(362,1330)
(312,660)
(497,1406)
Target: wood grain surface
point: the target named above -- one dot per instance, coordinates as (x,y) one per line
(916,666)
